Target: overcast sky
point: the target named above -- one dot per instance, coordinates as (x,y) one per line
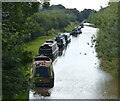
(81,4)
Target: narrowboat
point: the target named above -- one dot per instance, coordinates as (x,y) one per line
(60,41)
(82,24)
(66,36)
(42,72)
(61,51)
(76,31)
(79,29)
(50,49)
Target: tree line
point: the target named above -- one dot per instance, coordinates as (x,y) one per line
(52,19)
(73,14)
(42,24)
(106,19)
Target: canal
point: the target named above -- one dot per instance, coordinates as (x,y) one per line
(77,73)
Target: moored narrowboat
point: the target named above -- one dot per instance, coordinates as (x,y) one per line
(76,31)
(49,49)
(60,41)
(66,36)
(42,72)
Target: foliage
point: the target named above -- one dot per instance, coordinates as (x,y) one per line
(46,22)
(73,14)
(46,5)
(34,30)
(53,7)
(86,12)
(107,38)
(15,59)
(71,26)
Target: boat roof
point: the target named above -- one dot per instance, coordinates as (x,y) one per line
(47,44)
(50,41)
(42,61)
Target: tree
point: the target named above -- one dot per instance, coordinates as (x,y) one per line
(106,19)
(15,59)
(46,5)
(87,12)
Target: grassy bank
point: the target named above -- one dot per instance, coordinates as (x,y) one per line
(34,45)
(24,96)
(110,66)
(71,26)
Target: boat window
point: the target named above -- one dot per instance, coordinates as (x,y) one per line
(49,41)
(45,51)
(42,59)
(41,72)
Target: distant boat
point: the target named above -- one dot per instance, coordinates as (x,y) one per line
(60,41)
(82,24)
(66,36)
(76,31)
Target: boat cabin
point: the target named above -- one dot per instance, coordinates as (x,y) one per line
(49,49)
(42,72)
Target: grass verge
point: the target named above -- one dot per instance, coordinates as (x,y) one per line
(110,66)
(23,96)
(71,26)
(34,45)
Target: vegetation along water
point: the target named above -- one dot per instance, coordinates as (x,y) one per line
(107,38)
(25,24)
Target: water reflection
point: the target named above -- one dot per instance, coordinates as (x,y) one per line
(61,51)
(75,35)
(42,91)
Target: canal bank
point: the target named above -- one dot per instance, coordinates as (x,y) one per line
(77,73)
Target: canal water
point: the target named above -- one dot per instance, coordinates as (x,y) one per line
(77,73)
